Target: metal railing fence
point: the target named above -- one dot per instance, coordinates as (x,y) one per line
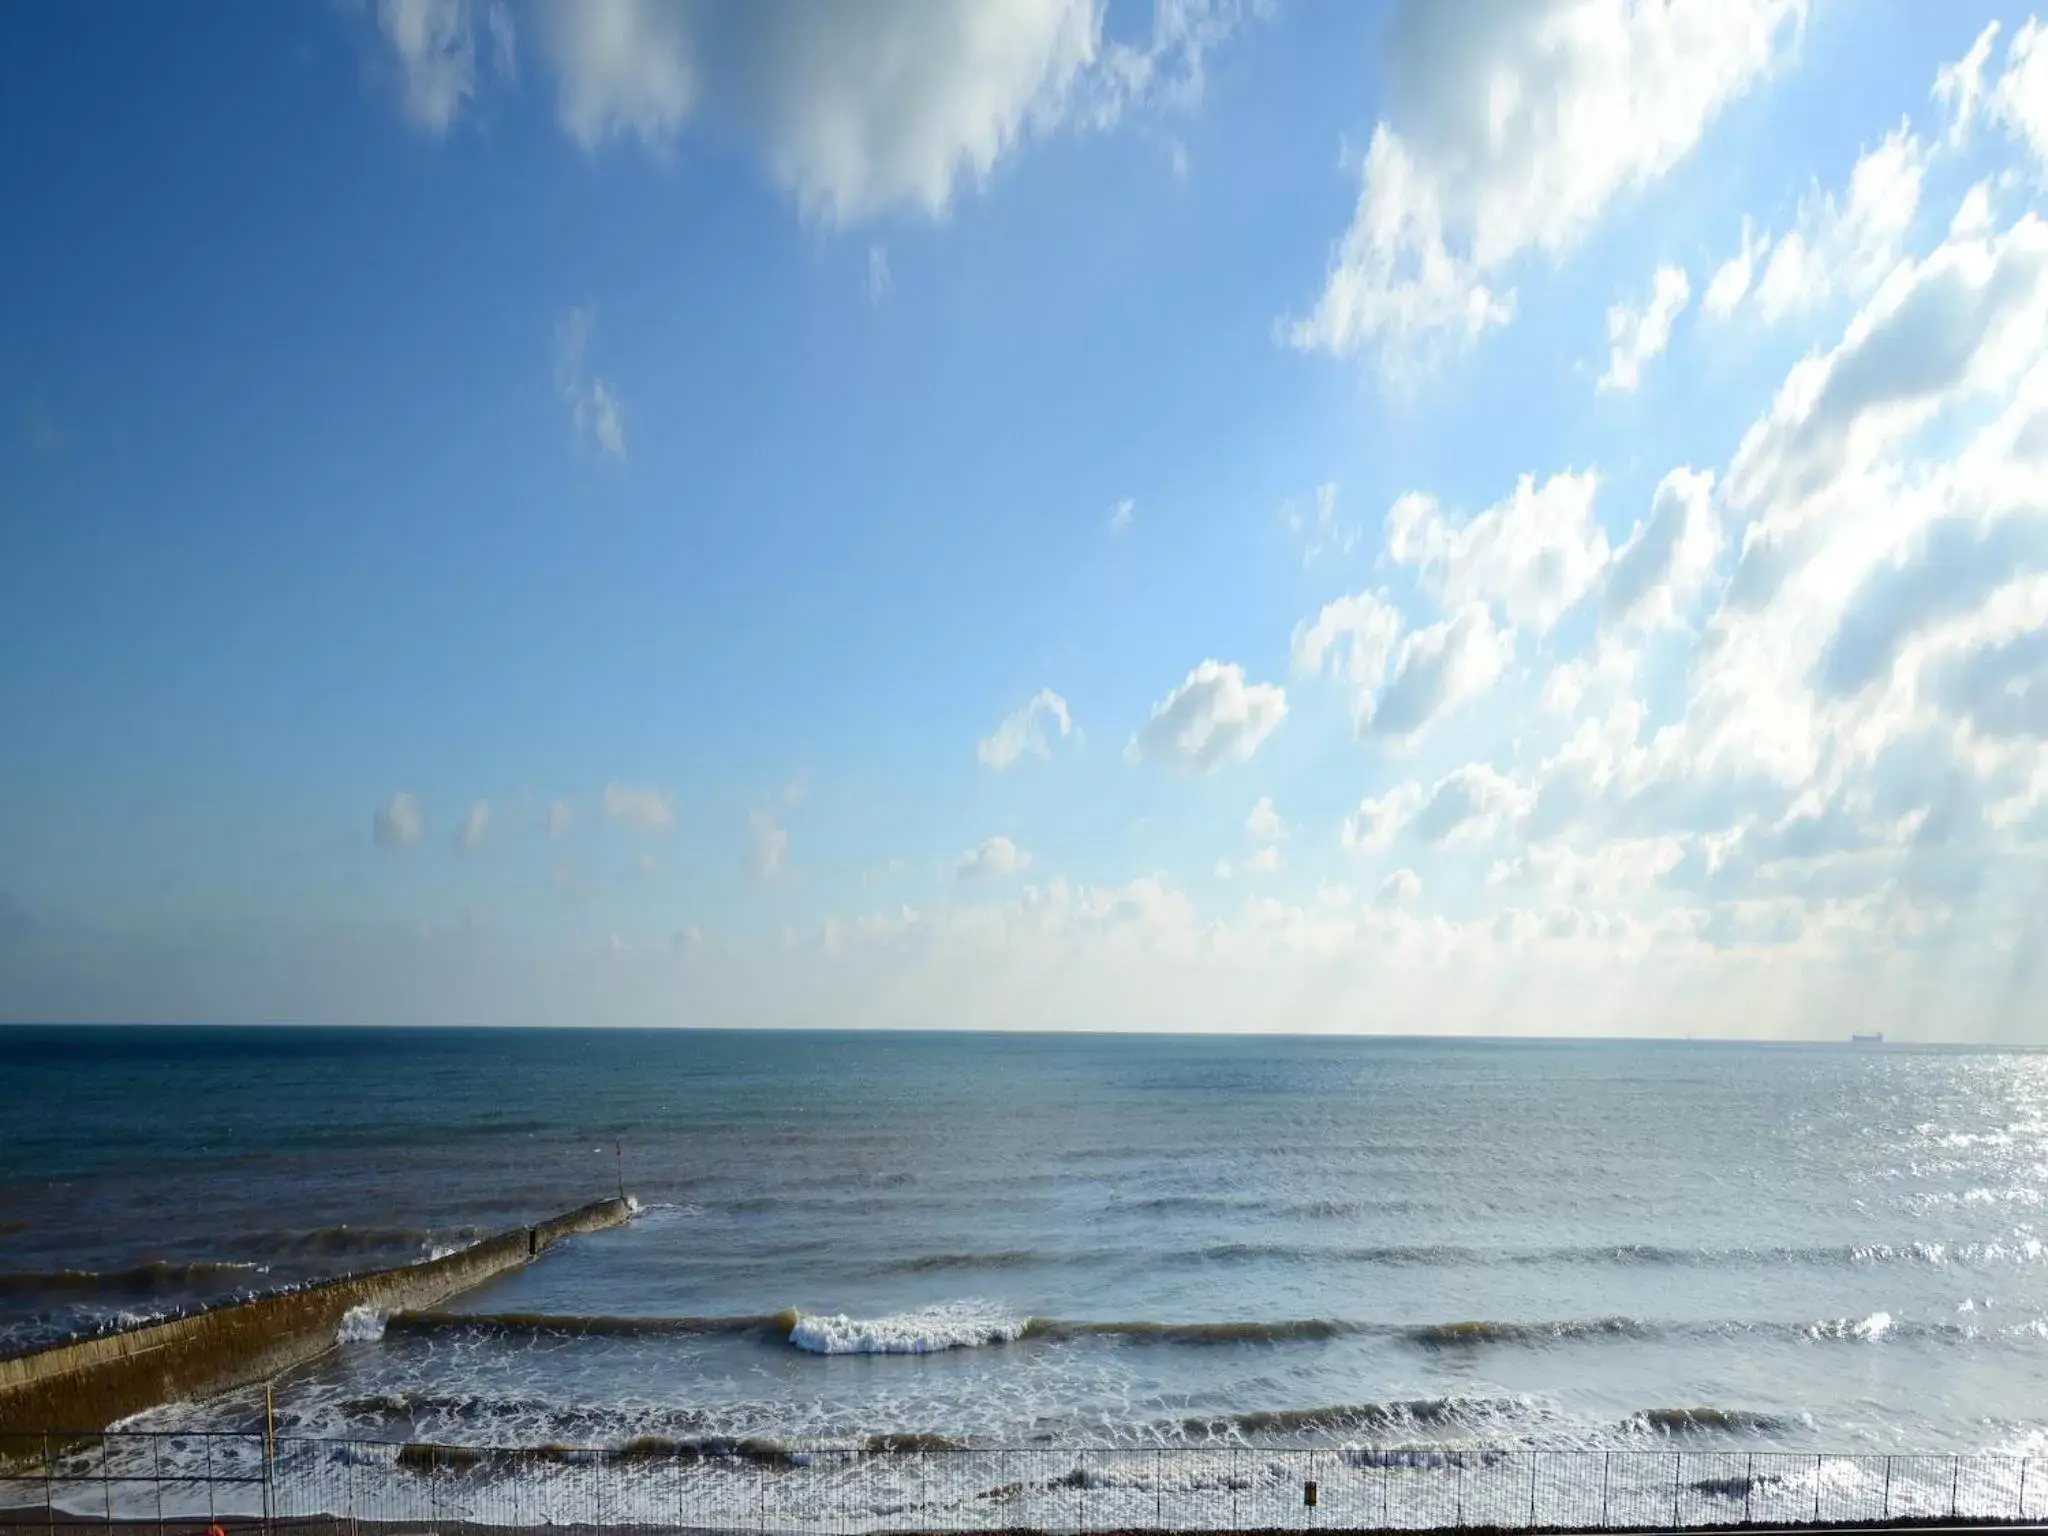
(182,1484)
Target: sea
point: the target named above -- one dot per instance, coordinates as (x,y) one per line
(1396,1246)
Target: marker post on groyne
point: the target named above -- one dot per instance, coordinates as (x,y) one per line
(87,1384)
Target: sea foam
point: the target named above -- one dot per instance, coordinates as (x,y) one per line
(927,1330)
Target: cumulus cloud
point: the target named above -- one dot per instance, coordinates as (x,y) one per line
(1354,637)
(1531,556)
(437,48)
(475,826)
(1669,557)
(1470,804)
(1264,825)
(1634,336)
(1121,514)
(1213,717)
(2017,101)
(398,822)
(1510,128)
(1437,670)
(1024,731)
(561,816)
(594,408)
(1378,820)
(767,845)
(1732,279)
(1402,888)
(1846,244)
(1968,316)
(1960,86)
(897,104)
(993,858)
(643,809)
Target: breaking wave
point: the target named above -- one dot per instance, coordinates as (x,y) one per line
(153,1278)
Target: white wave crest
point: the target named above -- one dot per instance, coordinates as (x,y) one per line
(360,1325)
(927,1330)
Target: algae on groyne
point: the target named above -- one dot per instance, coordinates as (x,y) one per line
(87,1384)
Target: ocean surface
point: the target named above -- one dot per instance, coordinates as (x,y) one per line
(1070,1240)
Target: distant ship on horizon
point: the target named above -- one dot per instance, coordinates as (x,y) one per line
(1875,1037)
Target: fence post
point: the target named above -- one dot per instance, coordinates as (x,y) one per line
(1955,1475)
(1534,1457)
(1606,1466)
(1461,1489)
(1816,1488)
(1887,1487)
(1677,1461)
(1158,1490)
(2023,1488)
(1749,1482)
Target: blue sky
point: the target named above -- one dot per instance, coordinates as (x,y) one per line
(1194,515)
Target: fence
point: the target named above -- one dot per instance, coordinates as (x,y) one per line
(179,1484)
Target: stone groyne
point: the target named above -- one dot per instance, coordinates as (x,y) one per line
(88,1384)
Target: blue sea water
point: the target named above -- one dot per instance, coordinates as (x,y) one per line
(1070,1239)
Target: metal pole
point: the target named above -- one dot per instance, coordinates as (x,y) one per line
(1606,1466)
(1677,1460)
(2023,1488)
(1749,1481)
(1158,1490)
(1887,1487)
(1955,1474)
(1816,1488)
(1533,1455)
(1461,1490)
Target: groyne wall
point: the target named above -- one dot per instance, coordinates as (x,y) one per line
(90,1383)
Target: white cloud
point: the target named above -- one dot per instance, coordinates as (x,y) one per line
(1960,85)
(561,816)
(1436,670)
(1510,128)
(1373,827)
(1669,557)
(1967,317)
(1470,804)
(1847,245)
(767,845)
(1531,556)
(476,825)
(622,67)
(1320,531)
(1732,279)
(435,42)
(1402,888)
(1213,717)
(1264,825)
(1260,861)
(994,858)
(594,408)
(878,272)
(1634,336)
(398,822)
(1356,635)
(2019,103)
(643,809)
(1024,731)
(1121,514)
(896,104)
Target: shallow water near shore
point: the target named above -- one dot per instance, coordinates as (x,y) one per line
(1066,1241)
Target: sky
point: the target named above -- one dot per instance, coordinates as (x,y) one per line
(1506,518)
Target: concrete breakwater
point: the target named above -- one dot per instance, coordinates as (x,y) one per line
(87,1384)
